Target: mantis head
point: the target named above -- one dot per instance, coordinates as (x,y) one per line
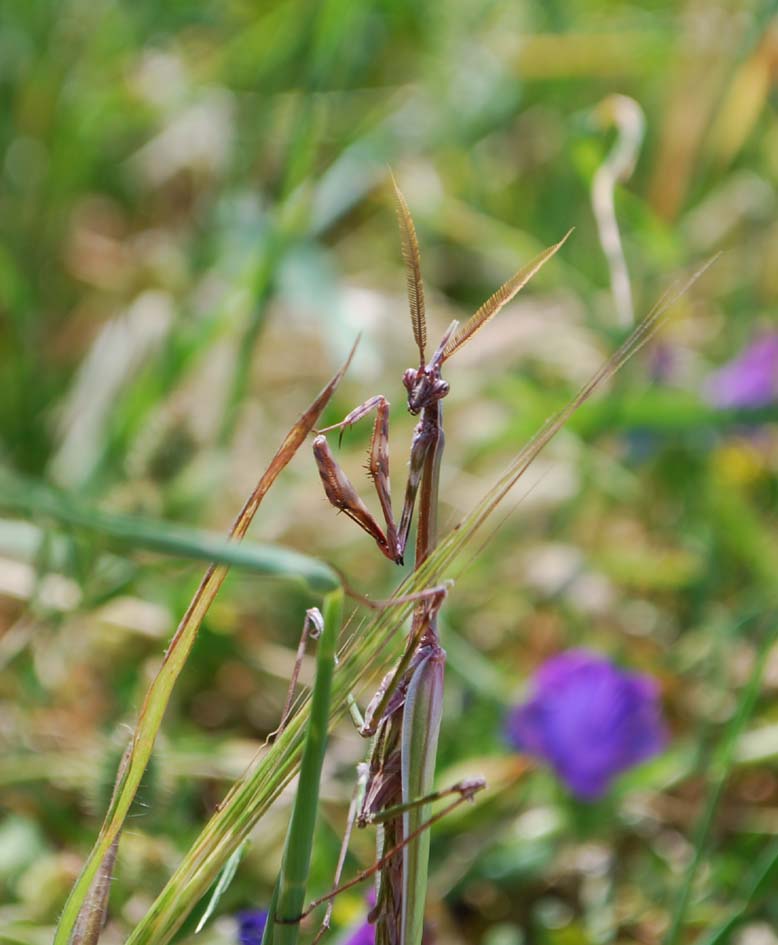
(424,386)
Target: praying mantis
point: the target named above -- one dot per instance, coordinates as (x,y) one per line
(394,788)
(404,717)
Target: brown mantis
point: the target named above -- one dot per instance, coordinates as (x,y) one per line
(404,716)
(394,786)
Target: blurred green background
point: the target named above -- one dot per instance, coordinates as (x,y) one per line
(195,222)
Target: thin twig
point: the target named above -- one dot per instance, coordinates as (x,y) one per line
(617,167)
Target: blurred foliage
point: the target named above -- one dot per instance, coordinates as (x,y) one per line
(195,223)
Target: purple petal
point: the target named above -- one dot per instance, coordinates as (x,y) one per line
(750,379)
(364,935)
(251,926)
(589,720)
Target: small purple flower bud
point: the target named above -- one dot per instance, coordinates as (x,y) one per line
(251,926)
(750,379)
(589,720)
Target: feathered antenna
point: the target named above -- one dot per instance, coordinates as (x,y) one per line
(500,298)
(412,258)
(523,459)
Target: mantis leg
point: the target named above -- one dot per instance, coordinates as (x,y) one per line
(464,791)
(342,494)
(338,488)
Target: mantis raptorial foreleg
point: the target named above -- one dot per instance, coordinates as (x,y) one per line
(338,487)
(341,493)
(424,386)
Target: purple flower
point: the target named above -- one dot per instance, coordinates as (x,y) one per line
(251,926)
(363,935)
(589,720)
(750,379)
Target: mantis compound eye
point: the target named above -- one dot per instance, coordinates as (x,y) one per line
(409,378)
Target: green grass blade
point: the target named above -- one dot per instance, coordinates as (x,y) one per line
(91,917)
(158,694)
(422,717)
(222,885)
(759,883)
(289,898)
(27,497)
(726,760)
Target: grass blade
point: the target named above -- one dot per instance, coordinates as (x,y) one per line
(222,885)
(158,694)
(91,916)
(746,706)
(759,883)
(422,718)
(33,499)
(289,897)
